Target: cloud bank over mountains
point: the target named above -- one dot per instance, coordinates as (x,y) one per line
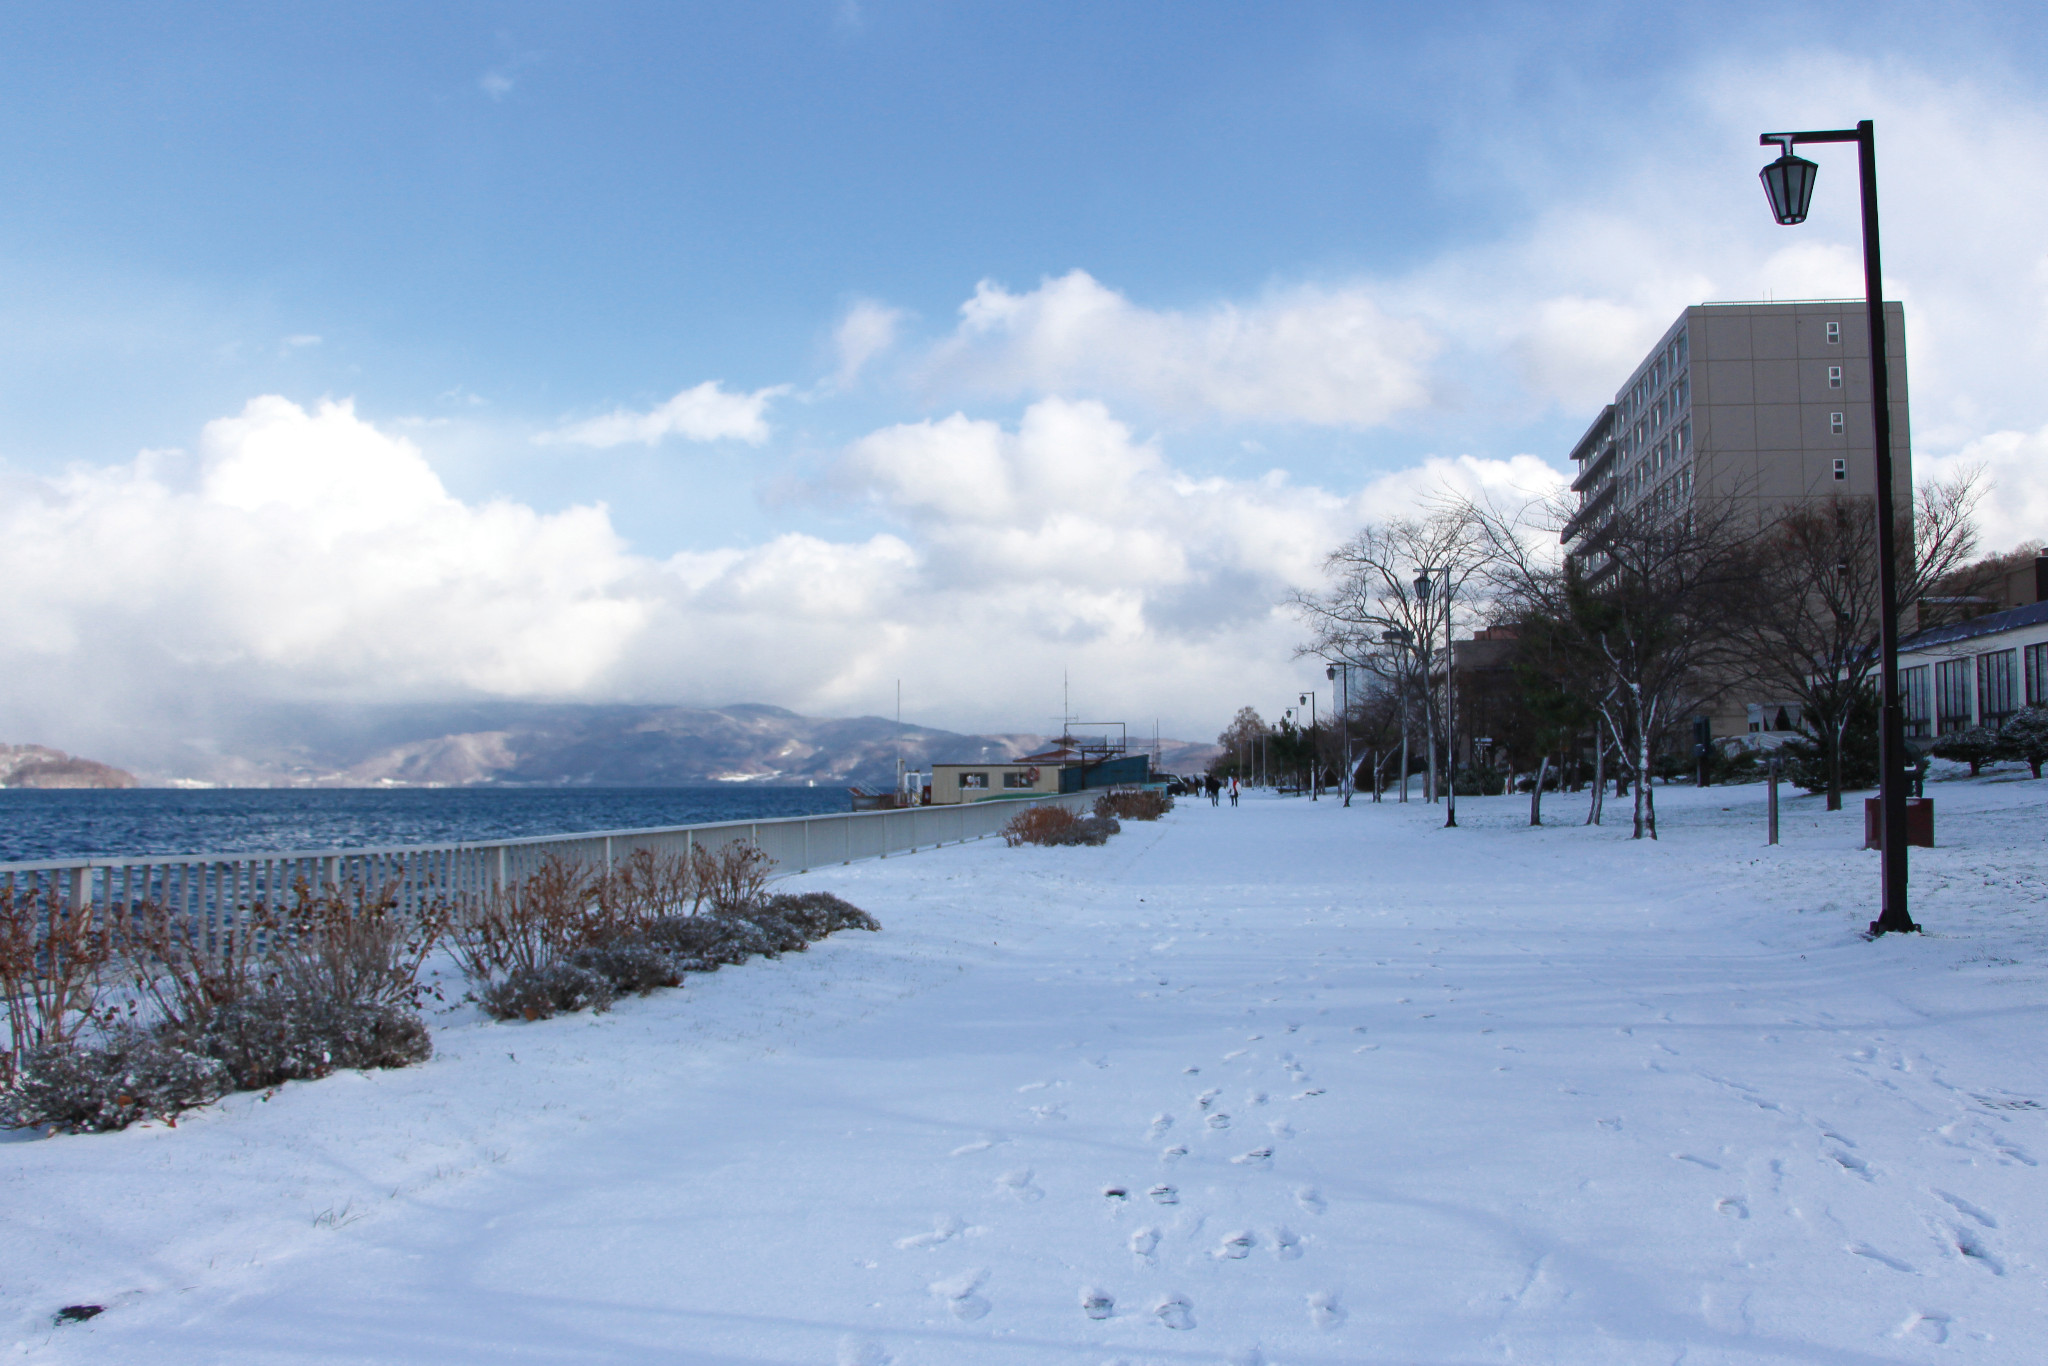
(309,554)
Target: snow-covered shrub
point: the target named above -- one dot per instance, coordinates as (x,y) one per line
(93,1088)
(275,1037)
(701,942)
(1037,824)
(1977,746)
(731,879)
(538,993)
(1086,830)
(629,965)
(2025,736)
(1133,806)
(784,936)
(818,914)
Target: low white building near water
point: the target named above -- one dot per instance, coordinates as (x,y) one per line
(1976,672)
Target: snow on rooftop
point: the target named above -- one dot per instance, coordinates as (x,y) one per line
(1285,1083)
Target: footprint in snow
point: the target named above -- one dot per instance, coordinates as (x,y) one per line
(1164,1195)
(1962,1206)
(942,1231)
(855,1351)
(1255,1098)
(1143,1243)
(1311,1199)
(1927,1325)
(1160,1124)
(1235,1247)
(1972,1247)
(981,1145)
(1207,1098)
(1697,1161)
(1280,1128)
(1734,1206)
(1286,1244)
(1866,1250)
(1312,1092)
(1173,1154)
(960,1293)
(1175,1312)
(1257,1157)
(1042,1113)
(1019,1184)
(1097,1304)
(1323,1310)
(1852,1164)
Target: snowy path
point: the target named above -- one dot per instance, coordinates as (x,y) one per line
(1288,1083)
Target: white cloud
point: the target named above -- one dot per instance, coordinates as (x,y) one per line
(867,330)
(311,555)
(2012,468)
(1304,355)
(703,413)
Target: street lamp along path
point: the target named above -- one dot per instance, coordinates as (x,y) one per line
(1788,184)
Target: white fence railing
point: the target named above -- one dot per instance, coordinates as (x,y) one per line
(213,887)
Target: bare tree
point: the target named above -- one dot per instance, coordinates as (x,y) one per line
(1646,603)
(1809,623)
(1374,595)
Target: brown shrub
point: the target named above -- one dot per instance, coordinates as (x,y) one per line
(1141,805)
(52,970)
(350,946)
(731,880)
(646,887)
(527,926)
(189,966)
(1038,825)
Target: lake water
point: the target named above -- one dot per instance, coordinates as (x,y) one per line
(101,824)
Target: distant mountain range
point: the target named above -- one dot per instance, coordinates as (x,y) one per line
(41,766)
(593,746)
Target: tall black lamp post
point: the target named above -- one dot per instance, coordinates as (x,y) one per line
(1424,586)
(1789,183)
(1315,759)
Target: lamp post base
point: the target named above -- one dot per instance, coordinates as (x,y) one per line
(1878,927)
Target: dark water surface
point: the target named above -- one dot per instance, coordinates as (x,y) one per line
(103,824)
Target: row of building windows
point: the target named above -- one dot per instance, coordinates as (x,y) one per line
(1955,694)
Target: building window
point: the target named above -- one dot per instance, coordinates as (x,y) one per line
(1018,778)
(974,780)
(1834,377)
(1841,469)
(1951,696)
(1835,423)
(1919,714)
(1834,332)
(1996,696)
(2037,675)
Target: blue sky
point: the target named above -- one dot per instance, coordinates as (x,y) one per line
(1307,247)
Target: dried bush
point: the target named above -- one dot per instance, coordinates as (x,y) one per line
(188,966)
(1037,824)
(129,1075)
(538,993)
(629,965)
(1087,830)
(527,926)
(350,946)
(275,1037)
(818,914)
(1140,805)
(782,935)
(701,942)
(730,880)
(646,887)
(52,970)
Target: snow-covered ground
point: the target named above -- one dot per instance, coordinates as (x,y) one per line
(1288,1083)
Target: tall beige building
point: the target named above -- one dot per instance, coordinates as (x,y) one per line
(1767,404)
(1760,404)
